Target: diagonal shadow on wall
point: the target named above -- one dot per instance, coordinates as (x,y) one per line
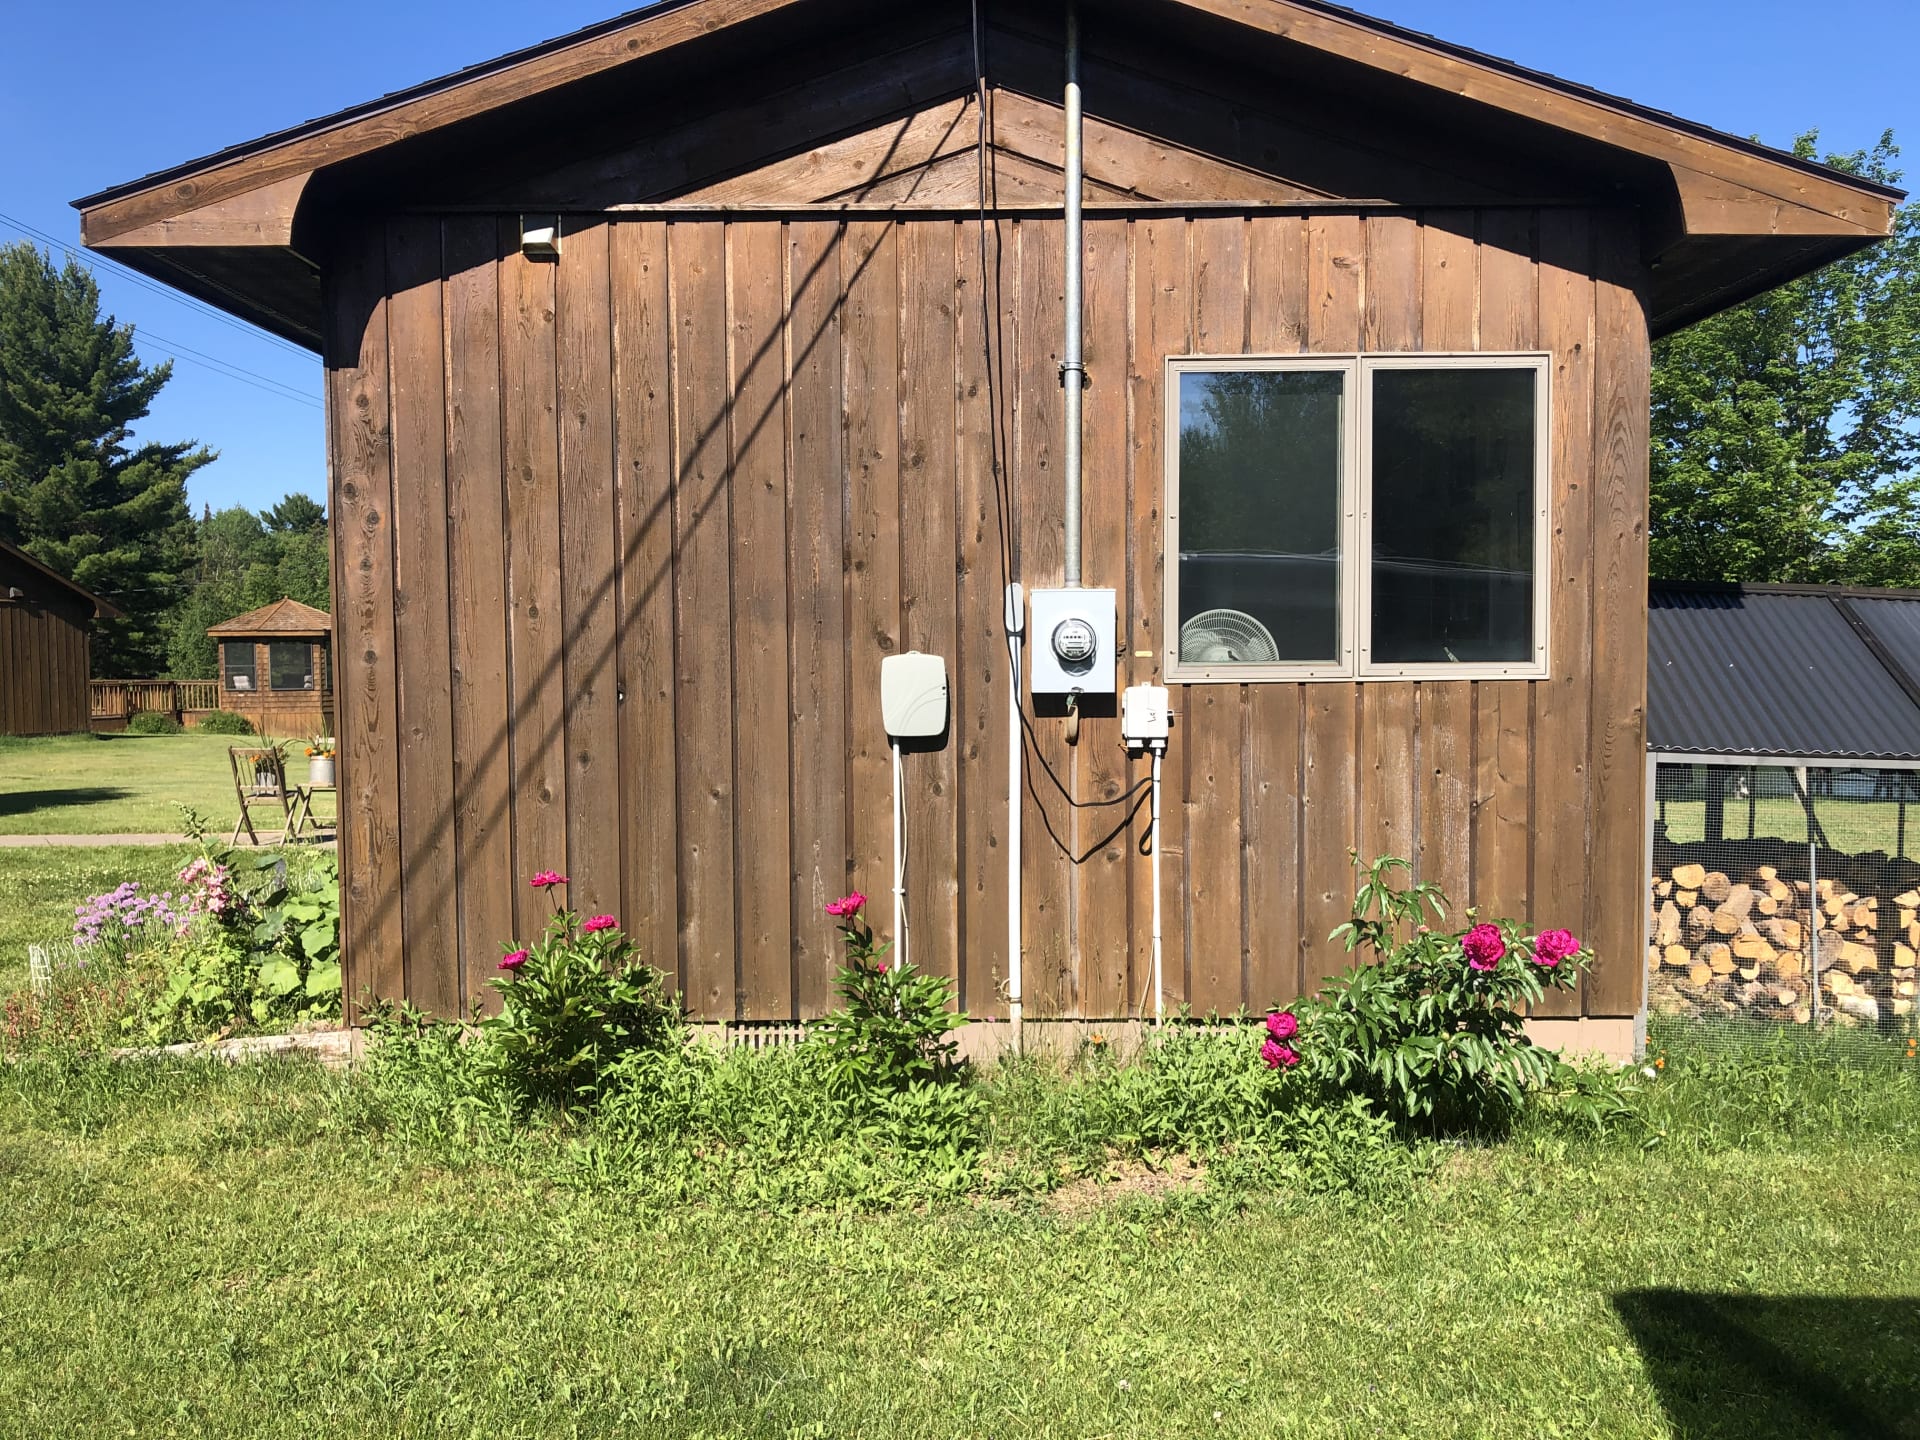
(1760,1366)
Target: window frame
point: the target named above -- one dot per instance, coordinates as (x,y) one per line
(301,689)
(228,674)
(1356,514)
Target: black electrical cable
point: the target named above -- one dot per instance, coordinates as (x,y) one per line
(1003,500)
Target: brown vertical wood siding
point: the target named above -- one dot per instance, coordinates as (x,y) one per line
(660,509)
(43,656)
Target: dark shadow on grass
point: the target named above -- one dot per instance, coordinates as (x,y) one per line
(1760,1366)
(25,802)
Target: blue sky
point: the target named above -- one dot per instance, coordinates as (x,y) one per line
(93,96)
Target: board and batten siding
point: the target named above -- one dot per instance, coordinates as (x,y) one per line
(44,655)
(659,509)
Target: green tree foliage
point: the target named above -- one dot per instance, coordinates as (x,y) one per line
(76,491)
(1786,431)
(248,560)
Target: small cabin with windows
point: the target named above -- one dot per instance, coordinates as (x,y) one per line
(685,371)
(273,668)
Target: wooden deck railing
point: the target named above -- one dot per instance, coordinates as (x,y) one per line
(118,699)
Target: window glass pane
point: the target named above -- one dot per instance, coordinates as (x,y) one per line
(1453,515)
(291,663)
(236,663)
(1260,516)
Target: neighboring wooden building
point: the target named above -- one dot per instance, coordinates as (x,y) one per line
(274,668)
(624,537)
(46,629)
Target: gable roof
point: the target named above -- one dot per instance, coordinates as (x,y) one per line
(288,619)
(102,609)
(1816,672)
(1736,217)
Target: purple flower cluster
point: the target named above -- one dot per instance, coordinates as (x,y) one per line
(124,914)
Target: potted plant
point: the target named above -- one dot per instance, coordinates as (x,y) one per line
(269,767)
(320,755)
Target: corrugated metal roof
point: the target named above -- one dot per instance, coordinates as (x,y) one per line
(1782,670)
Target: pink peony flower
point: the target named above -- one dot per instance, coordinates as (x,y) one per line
(599,922)
(547,879)
(1279,1056)
(847,906)
(1282,1025)
(1550,947)
(1483,946)
(513,960)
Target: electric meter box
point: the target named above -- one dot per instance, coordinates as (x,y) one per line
(913,695)
(1072,639)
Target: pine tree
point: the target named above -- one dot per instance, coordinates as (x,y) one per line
(76,491)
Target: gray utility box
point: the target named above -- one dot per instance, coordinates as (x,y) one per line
(1072,638)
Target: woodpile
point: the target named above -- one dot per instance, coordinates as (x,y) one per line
(1737,929)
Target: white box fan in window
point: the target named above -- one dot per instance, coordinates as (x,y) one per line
(1226,637)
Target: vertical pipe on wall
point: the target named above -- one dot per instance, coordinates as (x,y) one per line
(1015,618)
(1072,369)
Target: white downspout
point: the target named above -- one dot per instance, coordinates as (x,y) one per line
(899,866)
(1153,841)
(1072,367)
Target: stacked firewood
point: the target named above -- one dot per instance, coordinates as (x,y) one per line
(1750,939)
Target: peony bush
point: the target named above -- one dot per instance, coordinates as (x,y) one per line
(1430,1029)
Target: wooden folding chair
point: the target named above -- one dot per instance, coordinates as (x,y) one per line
(259,778)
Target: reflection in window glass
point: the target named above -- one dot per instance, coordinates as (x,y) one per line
(1260,509)
(236,663)
(291,664)
(1453,515)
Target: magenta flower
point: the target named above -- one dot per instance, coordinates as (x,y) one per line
(847,906)
(1279,1056)
(1483,946)
(1550,947)
(599,922)
(547,879)
(1282,1025)
(513,960)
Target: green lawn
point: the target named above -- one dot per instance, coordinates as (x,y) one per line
(1852,826)
(119,784)
(41,885)
(191,1251)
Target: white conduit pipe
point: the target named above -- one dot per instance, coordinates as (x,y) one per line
(1153,842)
(899,865)
(1015,617)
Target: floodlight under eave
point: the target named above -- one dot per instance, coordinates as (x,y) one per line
(540,242)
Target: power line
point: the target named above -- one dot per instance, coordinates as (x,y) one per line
(228,368)
(125,272)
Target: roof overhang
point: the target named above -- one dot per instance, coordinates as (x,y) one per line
(102,609)
(1728,218)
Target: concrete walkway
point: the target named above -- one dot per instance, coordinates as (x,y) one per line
(26,841)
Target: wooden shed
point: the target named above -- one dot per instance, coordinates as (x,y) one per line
(274,668)
(682,370)
(46,636)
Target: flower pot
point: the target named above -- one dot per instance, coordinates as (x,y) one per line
(320,770)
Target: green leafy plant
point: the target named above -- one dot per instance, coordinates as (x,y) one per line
(224,722)
(893,1028)
(1432,1031)
(573,1003)
(152,722)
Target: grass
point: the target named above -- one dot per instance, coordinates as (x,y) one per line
(188,1250)
(119,784)
(1852,826)
(40,885)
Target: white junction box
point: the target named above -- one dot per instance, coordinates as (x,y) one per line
(913,695)
(1072,638)
(1144,716)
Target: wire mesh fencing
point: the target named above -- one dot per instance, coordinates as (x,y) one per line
(1784,897)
